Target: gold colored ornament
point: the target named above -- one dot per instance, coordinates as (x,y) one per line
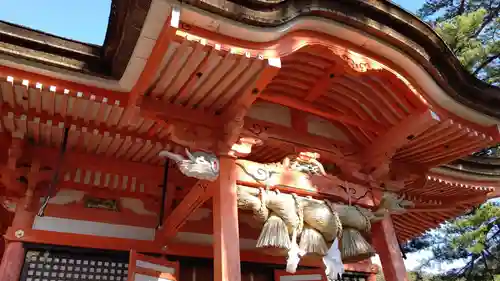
(19,233)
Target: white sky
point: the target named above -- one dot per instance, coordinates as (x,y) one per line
(413,261)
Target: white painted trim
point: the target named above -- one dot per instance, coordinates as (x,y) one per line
(93,228)
(465,175)
(301,277)
(154,266)
(142,277)
(158,13)
(207,239)
(221,25)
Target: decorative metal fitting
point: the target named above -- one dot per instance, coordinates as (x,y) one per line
(19,233)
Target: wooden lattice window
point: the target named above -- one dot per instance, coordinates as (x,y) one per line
(46,265)
(354,276)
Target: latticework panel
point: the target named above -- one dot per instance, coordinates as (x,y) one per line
(58,265)
(354,276)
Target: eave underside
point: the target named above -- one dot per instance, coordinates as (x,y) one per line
(329,99)
(381,19)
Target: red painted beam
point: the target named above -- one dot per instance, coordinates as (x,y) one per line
(158,110)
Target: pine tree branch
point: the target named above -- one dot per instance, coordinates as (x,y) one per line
(467,270)
(486,266)
(485,63)
(461,8)
(487,20)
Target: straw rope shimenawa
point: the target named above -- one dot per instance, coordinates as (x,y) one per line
(295,226)
(320,223)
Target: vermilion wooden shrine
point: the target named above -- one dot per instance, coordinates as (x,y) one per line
(236,140)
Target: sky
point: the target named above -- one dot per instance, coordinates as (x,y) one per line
(82,20)
(410,5)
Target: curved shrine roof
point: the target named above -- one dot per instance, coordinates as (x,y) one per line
(363,83)
(381,19)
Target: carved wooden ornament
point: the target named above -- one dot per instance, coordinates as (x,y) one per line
(199,165)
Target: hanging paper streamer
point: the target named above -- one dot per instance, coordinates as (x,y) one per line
(333,262)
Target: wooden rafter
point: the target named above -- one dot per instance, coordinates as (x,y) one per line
(154,60)
(384,147)
(163,111)
(252,92)
(243,103)
(74,88)
(473,183)
(55,119)
(102,191)
(95,162)
(325,82)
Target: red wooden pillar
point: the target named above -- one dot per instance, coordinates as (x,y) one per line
(387,247)
(5,221)
(12,262)
(225,216)
(13,257)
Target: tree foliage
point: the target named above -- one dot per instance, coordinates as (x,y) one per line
(471,28)
(473,238)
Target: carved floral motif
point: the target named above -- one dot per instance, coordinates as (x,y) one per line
(305,162)
(357,62)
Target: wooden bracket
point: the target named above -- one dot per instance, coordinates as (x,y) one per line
(244,146)
(377,157)
(235,114)
(325,82)
(199,194)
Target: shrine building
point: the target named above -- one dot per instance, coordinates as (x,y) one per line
(234,140)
